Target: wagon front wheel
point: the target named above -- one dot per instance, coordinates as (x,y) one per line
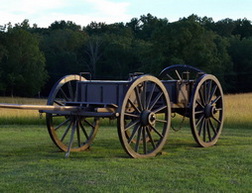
(70,133)
(144,120)
(207,111)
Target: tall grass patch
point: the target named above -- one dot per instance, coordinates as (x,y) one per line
(238,110)
(17,116)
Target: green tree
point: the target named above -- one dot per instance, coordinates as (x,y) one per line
(23,64)
(225,27)
(93,51)
(63,52)
(243,28)
(240,51)
(3,54)
(117,57)
(188,42)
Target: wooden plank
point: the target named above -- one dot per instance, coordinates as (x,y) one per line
(39,107)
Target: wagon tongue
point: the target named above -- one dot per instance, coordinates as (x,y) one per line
(39,107)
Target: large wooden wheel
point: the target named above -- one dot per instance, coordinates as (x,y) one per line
(70,133)
(144,119)
(207,110)
(180,72)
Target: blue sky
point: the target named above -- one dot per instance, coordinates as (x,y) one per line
(82,12)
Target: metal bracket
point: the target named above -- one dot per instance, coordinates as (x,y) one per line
(134,75)
(86,75)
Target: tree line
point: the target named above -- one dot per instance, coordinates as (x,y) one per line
(33,58)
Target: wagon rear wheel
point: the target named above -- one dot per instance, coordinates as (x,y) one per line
(180,72)
(69,133)
(144,119)
(207,111)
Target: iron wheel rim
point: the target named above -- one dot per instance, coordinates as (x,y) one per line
(60,127)
(207,111)
(143,130)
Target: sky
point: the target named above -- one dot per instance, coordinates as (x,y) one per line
(83,12)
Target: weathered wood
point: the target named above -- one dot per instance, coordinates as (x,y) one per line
(39,107)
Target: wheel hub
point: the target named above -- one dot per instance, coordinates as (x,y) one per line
(210,111)
(148,118)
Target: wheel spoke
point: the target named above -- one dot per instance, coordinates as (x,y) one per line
(64,94)
(204,130)
(150,136)
(91,125)
(150,96)
(199,120)
(78,134)
(201,97)
(156,131)
(205,92)
(61,124)
(134,132)
(136,89)
(66,131)
(143,98)
(58,103)
(216,100)
(131,124)
(138,139)
(201,126)
(134,106)
(169,77)
(144,140)
(156,100)
(84,130)
(132,115)
(209,91)
(159,109)
(218,121)
(208,130)
(212,126)
(218,109)
(213,92)
(199,112)
(178,75)
(161,121)
(200,104)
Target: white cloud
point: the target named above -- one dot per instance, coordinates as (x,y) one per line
(45,12)
(28,6)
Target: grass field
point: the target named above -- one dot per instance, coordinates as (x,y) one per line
(29,162)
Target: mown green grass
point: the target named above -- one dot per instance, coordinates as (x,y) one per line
(29,161)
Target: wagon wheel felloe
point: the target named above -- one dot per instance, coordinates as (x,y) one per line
(144,119)
(70,133)
(207,111)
